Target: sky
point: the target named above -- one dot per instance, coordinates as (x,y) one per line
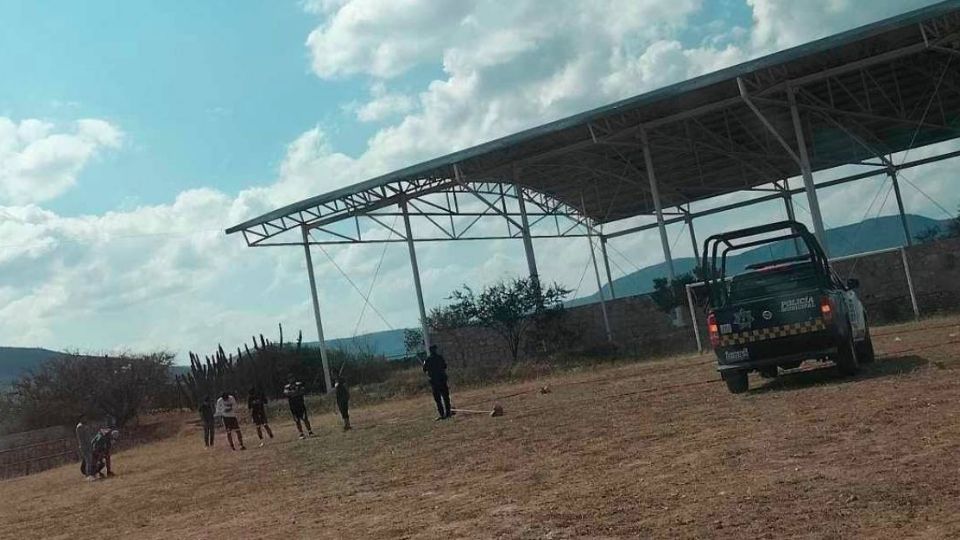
(133,132)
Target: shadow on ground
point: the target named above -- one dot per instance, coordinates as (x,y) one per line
(827,374)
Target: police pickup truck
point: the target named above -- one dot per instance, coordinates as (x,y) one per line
(779,313)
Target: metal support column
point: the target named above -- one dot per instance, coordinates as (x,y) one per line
(424,327)
(910,289)
(327,381)
(606,266)
(903,216)
(655,194)
(527,241)
(807,172)
(596,272)
(693,238)
(791,215)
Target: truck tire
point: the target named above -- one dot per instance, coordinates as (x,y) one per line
(737,381)
(865,353)
(846,357)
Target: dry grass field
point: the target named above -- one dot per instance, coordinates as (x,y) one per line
(652,449)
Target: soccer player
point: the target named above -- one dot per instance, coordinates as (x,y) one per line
(227,410)
(257,404)
(209,423)
(343,401)
(294,391)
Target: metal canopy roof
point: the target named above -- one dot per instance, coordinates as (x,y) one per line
(868,92)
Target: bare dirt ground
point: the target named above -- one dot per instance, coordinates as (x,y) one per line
(655,449)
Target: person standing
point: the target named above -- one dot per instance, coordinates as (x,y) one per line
(85,446)
(209,423)
(257,405)
(227,410)
(294,392)
(103,450)
(343,401)
(436,369)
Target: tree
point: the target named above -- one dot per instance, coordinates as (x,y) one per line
(412,341)
(928,235)
(510,308)
(117,387)
(668,298)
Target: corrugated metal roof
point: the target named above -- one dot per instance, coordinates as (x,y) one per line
(869,83)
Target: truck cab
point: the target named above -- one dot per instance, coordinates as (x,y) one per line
(781,312)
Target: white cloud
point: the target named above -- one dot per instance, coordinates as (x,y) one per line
(164,275)
(384,105)
(37,163)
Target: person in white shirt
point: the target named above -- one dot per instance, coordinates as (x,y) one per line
(227,410)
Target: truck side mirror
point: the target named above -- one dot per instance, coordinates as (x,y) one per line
(853,283)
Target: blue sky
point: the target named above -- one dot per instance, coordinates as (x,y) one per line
(133,132)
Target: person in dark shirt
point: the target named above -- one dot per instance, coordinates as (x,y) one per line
(103,451)
(343,401)
(257,404)
(209,423)
(294,391)
(436,369)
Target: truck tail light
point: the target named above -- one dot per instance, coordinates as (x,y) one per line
(713,330)
(826,308)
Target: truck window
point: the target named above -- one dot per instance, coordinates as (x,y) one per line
(773,281)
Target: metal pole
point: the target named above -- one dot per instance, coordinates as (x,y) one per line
(596,272)
(903,216)
(424,327)
(788,204)
(693,240)
(913,293)
(655,194)
(693,318)
(527,241)
(606,266)
(807,172)
(327,381)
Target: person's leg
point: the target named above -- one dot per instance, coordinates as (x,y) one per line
(259,432)
(296,418)
(240,439)
(269,431)
(445,395)
(230,439)
(211,433)
(437,399)
(306,422)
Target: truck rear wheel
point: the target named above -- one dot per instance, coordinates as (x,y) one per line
(846,358)
(865,353)
(737,381)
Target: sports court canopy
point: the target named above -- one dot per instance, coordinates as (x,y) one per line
(852,98)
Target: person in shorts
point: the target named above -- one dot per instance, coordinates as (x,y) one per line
(257,405)
(227,411)
(294,391)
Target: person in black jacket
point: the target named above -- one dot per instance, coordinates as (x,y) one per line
(209,423)
(343,400)
(436,369)
(257,405)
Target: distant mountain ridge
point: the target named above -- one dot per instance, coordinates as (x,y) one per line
(868,235)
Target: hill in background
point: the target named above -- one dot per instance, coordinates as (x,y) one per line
(869,235)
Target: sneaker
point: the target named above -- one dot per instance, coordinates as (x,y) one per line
(311,434)
(302,437)
(261,445)
(243,447)
(439,418)
(90,478)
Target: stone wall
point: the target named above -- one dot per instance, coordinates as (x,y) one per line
(640,329)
